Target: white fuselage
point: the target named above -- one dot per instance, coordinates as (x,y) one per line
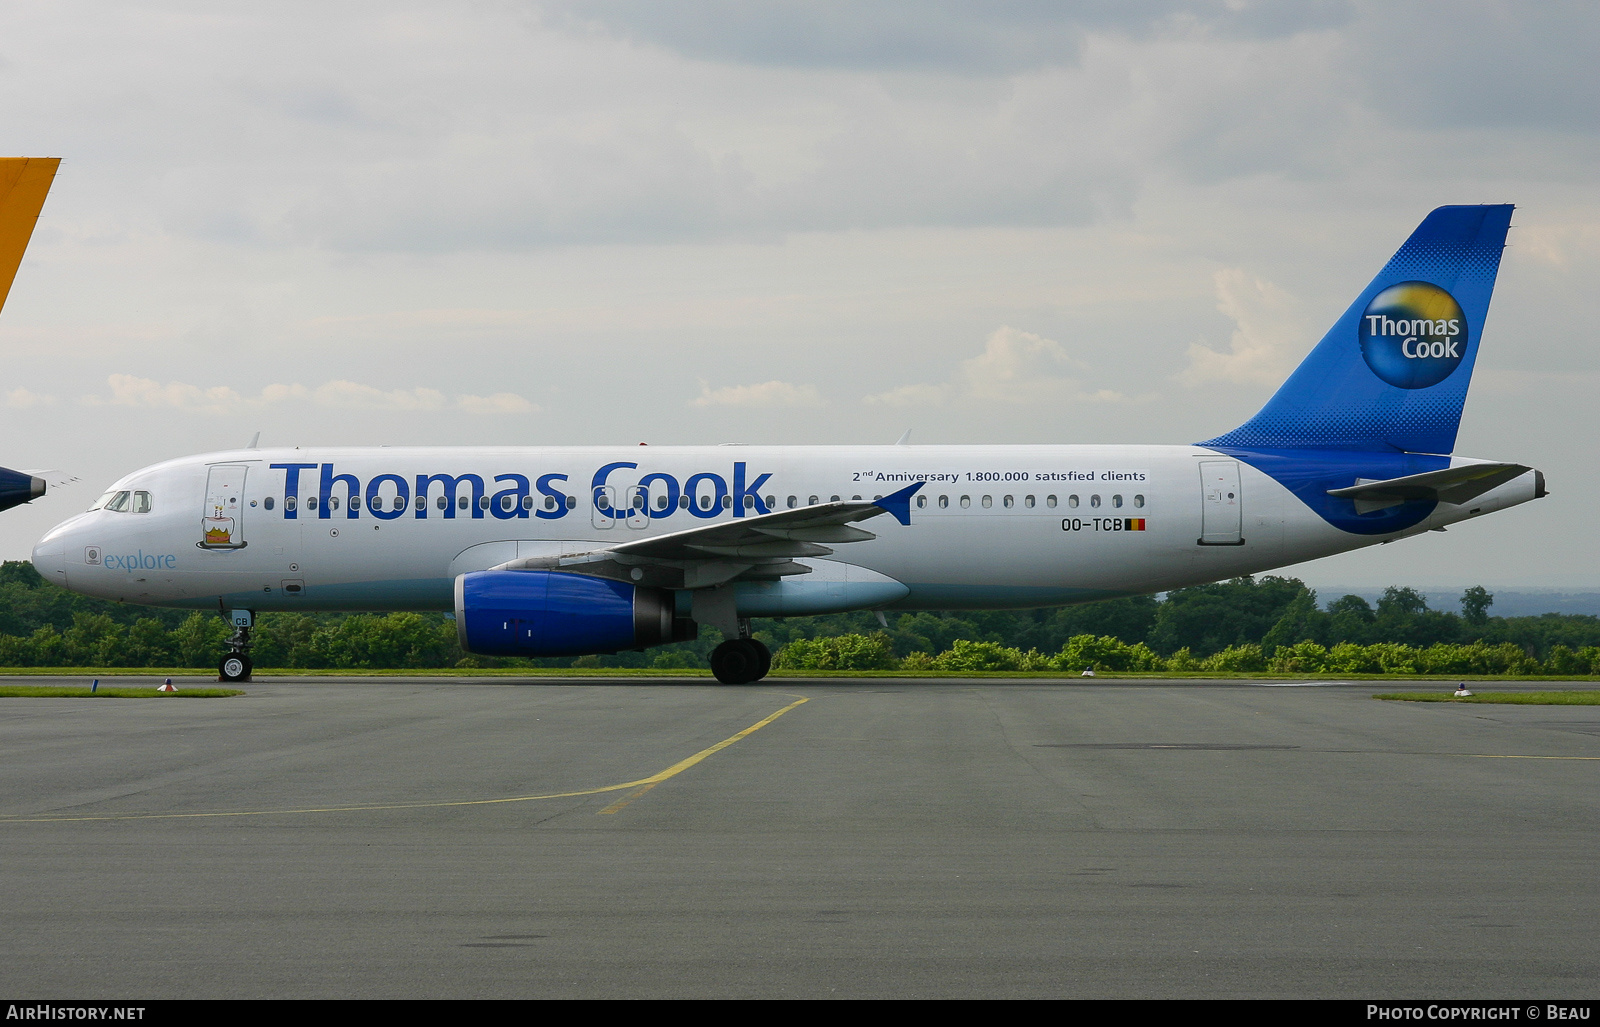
(992,526)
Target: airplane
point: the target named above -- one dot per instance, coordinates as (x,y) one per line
(24,183)
(565,551)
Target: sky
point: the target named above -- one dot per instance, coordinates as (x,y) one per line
(706,221)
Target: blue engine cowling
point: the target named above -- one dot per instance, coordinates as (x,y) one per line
(549,613)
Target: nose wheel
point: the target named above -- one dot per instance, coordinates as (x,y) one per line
(234,667)
(739,661)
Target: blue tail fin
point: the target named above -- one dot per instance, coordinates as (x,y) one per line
(1392,373)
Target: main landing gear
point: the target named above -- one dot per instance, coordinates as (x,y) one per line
(739,661)
(236,666)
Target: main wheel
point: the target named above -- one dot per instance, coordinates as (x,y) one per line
(766,659)
(736,662)
(234,667)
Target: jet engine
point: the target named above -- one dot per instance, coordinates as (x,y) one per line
(550,613)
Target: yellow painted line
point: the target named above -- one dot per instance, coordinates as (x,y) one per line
(647,783)
(615,806)
(1499,756)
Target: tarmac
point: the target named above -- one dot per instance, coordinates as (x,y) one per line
(884,838)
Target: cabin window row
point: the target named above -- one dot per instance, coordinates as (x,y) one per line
(140,502)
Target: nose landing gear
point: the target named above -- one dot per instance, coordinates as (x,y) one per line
(236,666)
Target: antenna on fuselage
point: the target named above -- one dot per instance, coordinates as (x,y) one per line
(253,440)
(904,439)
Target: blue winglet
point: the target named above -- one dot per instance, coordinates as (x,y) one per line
(899,504)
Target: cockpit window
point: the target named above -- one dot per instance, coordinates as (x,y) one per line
(102,501)
(141,502)
(119,502)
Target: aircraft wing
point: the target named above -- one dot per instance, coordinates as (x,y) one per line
(760,547)
(1453,485)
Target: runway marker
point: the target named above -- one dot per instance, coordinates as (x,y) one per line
(647,783)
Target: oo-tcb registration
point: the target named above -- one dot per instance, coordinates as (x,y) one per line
(564,551)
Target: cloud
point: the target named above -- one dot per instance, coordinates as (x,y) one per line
(498,403)
(1015,368)
(25,398)
(766,394)
(354,396)
(950,36)
(130,390)
(1271,333)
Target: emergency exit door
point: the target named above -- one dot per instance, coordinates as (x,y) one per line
(1221,505)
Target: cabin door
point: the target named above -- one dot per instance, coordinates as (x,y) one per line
(1221,506)
(222,518)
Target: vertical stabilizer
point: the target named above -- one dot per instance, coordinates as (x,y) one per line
(24,182)
(1392,373)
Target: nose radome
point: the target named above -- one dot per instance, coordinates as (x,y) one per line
(50,559)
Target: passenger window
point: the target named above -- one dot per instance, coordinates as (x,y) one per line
(813,501)
(922,501)
(1094,501)
(705,502)
(422,503)
(794,501)
(944,502)
(1116,501)
(268,503)
(1008,502)
(833,499)
(1072,501)
(772,502)
(483,502)
(749,502)
(683,502)
(727,502)
(572,502)
(987,502)
(1050,501)
(333,502)
(290,502)
(506,502)
(966,501)
(549,502)
(855,499)
(311,502)
(461,502)
(1028,502)
(1138,501)
(661,502)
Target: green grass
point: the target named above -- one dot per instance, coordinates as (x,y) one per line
(82,692)
(702,672)
(1573,698)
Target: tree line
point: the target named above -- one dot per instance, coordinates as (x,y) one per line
(1244,624)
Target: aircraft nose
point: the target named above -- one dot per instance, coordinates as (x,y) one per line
(50,559)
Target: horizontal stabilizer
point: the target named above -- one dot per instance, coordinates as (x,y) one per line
(1453,485)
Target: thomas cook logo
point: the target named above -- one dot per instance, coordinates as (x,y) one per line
(1413,335)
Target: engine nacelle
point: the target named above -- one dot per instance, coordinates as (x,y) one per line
(549,613)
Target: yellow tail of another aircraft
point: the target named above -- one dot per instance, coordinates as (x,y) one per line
(24,182)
